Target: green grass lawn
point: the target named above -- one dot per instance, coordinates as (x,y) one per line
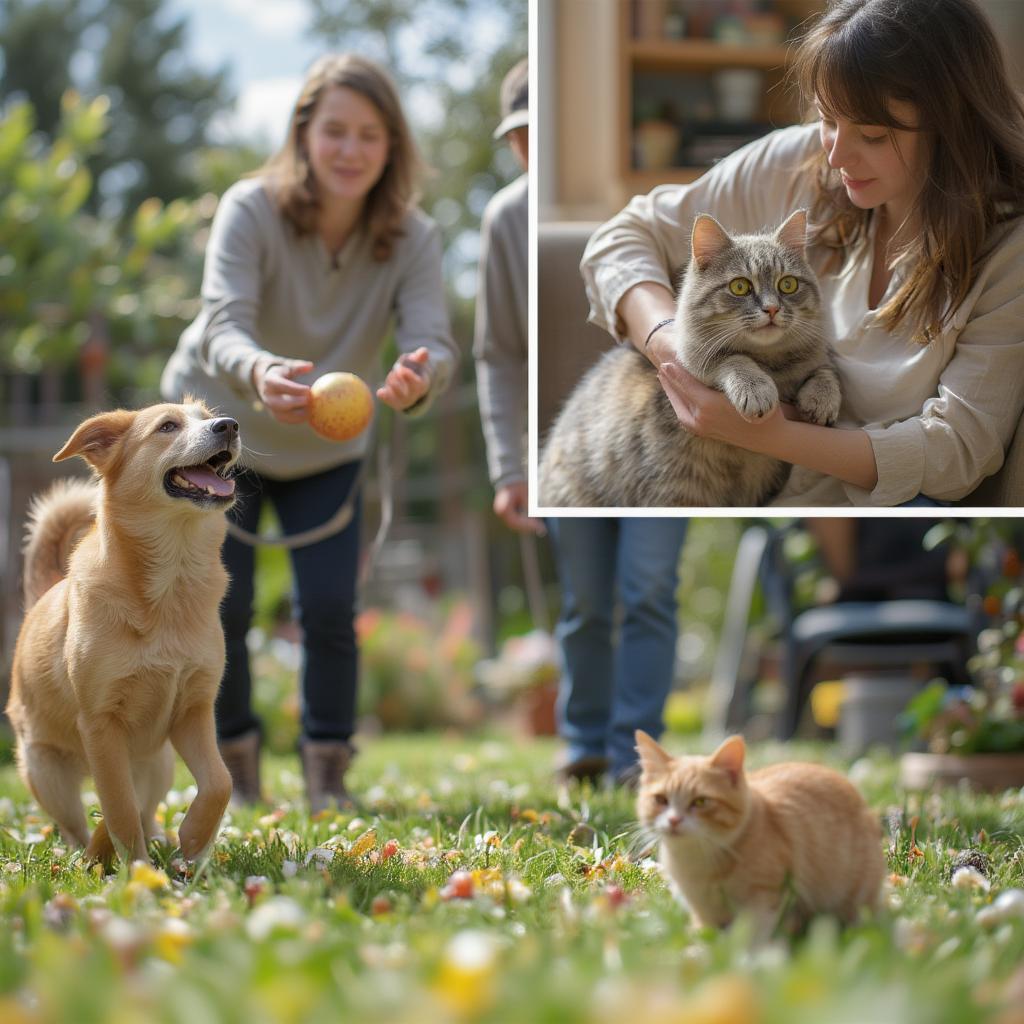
(354,917)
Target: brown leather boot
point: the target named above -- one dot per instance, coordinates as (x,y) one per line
(242,758)
(324,763)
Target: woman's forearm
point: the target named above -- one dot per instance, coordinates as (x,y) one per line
(640,309)
(843,453)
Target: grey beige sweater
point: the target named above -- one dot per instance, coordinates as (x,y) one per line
(268,291)
(500,338)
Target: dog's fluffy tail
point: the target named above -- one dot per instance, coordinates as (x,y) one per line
(57,520)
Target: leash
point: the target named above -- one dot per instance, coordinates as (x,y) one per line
(341,518)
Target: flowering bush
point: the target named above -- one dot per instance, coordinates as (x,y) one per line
(417,673)
(989,716)
(526,662)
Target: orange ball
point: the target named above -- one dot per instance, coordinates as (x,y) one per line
(340,406)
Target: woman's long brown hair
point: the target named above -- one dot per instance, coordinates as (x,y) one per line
(942,57)
(291,178)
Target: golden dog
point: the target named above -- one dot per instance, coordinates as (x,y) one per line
(121,649)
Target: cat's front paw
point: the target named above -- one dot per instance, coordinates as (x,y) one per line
(819,398)
(753,398)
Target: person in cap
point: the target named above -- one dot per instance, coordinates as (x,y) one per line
(500,337)
(608,689)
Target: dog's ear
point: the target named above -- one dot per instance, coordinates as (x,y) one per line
(96,438)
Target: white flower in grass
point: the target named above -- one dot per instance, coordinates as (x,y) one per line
(289,869)
(321,856)
(472,951)
(279,913)
(488,839)
(1006,906)
(969,878)
(518,891)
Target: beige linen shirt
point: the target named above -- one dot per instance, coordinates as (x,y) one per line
(939,416)
(266,290)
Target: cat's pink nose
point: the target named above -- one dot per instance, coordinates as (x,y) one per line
(771,311)
(674,821)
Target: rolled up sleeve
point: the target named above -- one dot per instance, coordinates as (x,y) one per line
(756,187)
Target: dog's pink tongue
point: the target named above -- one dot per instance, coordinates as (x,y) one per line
(207,479)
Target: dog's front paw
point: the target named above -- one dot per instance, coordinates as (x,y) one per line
(752,397)
(819,399)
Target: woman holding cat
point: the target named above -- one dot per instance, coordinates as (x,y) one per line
(309,261)
(914,179)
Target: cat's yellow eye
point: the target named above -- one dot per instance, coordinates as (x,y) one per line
(699,801)
(661,800)
(740,286)
(788,284)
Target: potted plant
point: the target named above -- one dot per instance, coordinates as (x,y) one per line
(977,732)
(525,675)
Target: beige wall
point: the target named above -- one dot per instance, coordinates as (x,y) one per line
(582,92)
(1007,17)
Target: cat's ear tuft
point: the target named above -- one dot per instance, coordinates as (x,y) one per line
(729,756)
(793,233)
(708,241)
(654,758)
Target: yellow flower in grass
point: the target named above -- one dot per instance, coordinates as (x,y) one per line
(366,842)
(174,937)
(466,982)
(148,877)
(13,1012)
(727,999)
(490,881)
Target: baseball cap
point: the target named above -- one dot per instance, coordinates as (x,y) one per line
(515,100)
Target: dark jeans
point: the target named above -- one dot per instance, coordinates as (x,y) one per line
(324,592)
(609,690)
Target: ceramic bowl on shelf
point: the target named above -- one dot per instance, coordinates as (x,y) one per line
(656,144)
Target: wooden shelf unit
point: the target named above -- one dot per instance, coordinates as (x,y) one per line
(694,59)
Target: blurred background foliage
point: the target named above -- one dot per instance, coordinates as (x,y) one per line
(109,175)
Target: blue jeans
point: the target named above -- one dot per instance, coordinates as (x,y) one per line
(324,598)
(922,501)
(609,689)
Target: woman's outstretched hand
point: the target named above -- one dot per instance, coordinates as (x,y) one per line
(285,399)
(407,381)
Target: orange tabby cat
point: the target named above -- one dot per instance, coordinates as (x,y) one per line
(789,838)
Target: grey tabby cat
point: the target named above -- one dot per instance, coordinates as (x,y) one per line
(748,322)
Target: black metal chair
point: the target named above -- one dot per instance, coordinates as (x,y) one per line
(874,635)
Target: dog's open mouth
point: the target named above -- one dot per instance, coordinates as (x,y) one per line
(207,482)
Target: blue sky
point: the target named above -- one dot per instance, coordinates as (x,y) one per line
(262,45)
(265,47)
